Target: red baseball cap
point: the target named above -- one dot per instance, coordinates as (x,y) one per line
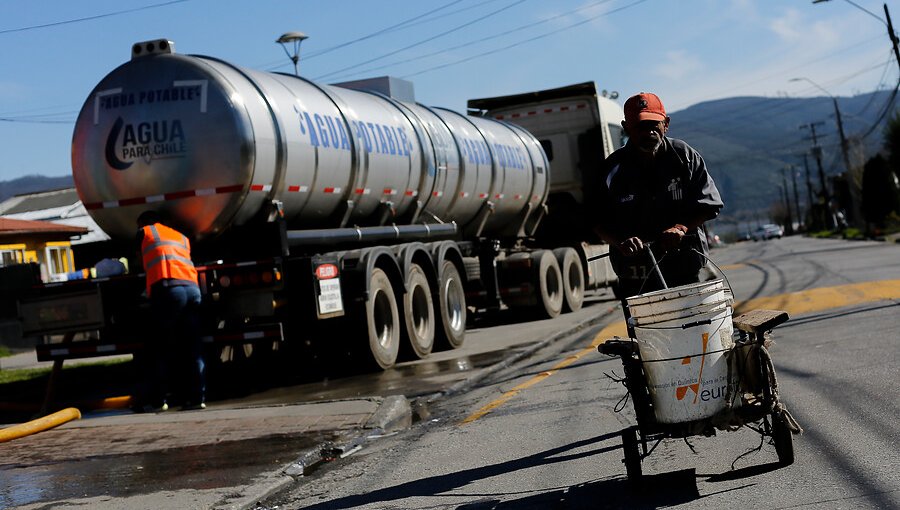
(644,106)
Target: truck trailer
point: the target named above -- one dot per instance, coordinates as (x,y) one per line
(339,214)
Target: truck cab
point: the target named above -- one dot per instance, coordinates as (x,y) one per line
(577,128)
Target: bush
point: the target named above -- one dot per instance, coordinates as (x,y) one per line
(853,233)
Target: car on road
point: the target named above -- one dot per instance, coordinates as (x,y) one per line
(768,231)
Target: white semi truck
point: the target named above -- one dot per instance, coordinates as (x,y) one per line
(320,209)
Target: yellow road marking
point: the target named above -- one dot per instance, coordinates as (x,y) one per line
(794,303)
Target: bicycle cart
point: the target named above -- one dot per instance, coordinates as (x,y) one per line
(677,334)
(750,398)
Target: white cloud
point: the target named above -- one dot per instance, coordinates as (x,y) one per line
(678,64)
(788,26)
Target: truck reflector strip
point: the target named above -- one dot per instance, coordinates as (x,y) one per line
(530,113)
(51,352)
(298,189)
(175,195)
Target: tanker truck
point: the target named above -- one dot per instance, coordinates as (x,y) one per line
(347,215)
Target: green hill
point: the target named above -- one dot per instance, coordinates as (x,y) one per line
(747,141)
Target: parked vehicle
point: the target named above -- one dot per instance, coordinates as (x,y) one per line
(322,209)
(768,231)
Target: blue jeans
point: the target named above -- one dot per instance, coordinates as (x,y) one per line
(177,349)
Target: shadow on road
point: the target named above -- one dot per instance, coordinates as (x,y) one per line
(654,491)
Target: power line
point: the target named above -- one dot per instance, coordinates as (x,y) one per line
(379,32)
(532,39)
(436,36)
(88,18)
(483,39)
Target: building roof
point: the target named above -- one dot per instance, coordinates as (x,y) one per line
(10,227)
(60,206)
(28,202)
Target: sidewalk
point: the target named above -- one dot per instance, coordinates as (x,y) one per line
(122,448)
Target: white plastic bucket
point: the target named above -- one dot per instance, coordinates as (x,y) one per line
(682,316)
(686,367)
(676,298)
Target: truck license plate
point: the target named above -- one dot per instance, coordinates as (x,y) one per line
(330,296)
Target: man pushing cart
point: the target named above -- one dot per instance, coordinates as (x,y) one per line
(685,371)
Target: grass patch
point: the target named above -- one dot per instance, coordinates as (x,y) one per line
(76,374)
(22,374)
(4,351)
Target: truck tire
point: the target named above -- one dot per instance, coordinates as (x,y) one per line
(418,314)
(572,278)
(451,306)
(549,283)
(382,320)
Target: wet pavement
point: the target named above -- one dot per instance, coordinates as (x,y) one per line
(242,449)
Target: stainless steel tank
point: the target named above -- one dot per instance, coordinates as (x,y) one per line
(211,145)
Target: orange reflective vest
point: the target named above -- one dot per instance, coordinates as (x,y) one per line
(166,255)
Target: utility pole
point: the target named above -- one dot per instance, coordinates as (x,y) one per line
(890,26)
(814,221)
(892,35)
(845,150)
(796,198)
(787,203)
(817,153)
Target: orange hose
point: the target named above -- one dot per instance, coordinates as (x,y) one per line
(39,425)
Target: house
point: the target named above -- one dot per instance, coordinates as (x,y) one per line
(61,206)
(47,244)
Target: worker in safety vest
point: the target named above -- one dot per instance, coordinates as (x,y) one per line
(175,354)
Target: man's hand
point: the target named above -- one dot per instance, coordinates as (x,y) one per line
(631,246)
(671,237)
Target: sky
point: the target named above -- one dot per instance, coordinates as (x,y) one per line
(687,51)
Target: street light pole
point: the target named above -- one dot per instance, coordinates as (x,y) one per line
(296,38)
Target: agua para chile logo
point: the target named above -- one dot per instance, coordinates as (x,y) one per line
(158,139)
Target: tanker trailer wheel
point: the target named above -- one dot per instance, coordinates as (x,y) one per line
(451,307)
(549,283)
(572,278)
(382,320)
(418,314)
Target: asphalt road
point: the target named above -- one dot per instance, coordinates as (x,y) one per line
(544,433)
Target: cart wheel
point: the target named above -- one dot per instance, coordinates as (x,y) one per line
(632,454)
(784,440)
